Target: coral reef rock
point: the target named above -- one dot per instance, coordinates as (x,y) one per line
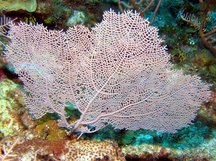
(76,150)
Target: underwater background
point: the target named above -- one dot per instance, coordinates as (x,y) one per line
(188,28)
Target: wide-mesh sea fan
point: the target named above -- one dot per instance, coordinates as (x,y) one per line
(118,73)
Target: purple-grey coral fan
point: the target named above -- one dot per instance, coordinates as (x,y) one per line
(118,73)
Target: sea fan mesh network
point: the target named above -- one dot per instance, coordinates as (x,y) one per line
(118,73)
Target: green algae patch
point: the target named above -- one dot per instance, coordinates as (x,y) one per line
(14,5)
(10,101)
